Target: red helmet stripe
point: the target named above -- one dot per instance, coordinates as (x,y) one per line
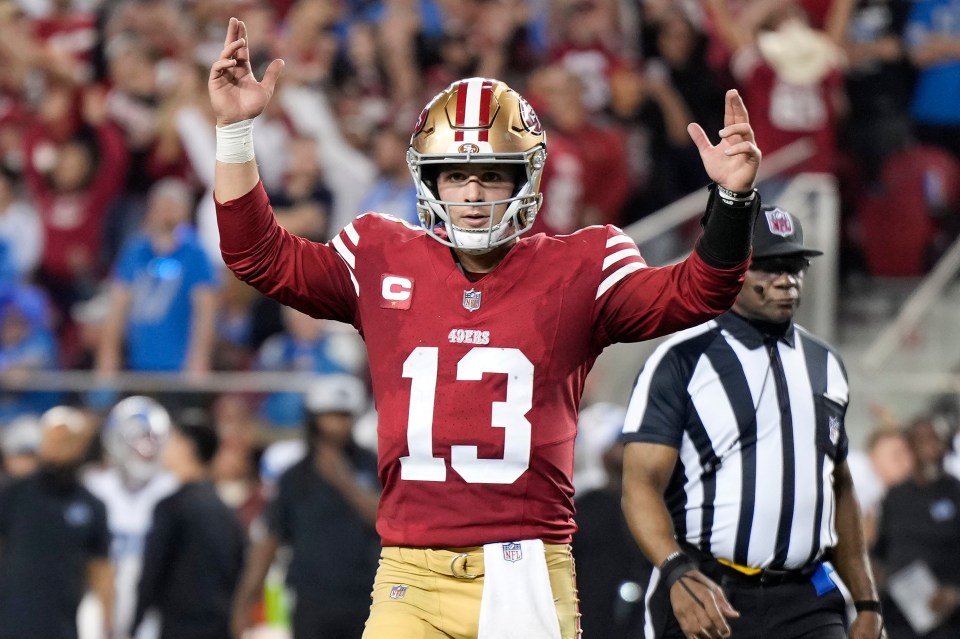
(486,92)
(473,110)
(462,91)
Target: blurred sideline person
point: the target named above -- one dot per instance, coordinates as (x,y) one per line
(194,550)
(920,522)
(130,487)
(886,462)
(611,570)
(19,447)
(479,340)
(54,540)
(324,509)
(736,484)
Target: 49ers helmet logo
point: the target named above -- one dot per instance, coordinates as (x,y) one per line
(529,117)
(469,148)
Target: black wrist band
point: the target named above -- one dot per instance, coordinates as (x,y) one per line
(868,605)
(675,566)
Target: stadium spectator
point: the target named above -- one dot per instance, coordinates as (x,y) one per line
(327,499)
(792,79)
(468,325)
(74,168)
(879,83)
(27,346)
(736,485)
(130,486)
(21,234)
(587,178)
(307,345)
(920,522)
(392,193)
(164,293)
(932,37)
(195,548)
(54,539)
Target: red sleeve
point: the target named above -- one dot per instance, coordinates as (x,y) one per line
(111,168)
(647,302)
(307,276)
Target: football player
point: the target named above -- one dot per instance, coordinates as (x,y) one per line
(479,339)
(133,436)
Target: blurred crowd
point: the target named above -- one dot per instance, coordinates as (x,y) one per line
(109,257)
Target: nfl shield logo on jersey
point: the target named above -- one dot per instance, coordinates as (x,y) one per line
(512,552)
(398,591)
(471,300)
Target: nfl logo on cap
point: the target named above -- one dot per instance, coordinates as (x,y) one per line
(779,222)
(512,552)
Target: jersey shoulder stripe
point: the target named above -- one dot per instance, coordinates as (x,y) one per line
(372,228)
(621,258)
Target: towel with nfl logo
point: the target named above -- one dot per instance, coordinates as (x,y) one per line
(517,600)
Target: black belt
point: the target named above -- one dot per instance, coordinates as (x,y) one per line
(766,578)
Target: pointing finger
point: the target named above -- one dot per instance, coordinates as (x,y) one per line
(231,32)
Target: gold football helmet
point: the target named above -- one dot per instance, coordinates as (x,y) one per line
(483,121)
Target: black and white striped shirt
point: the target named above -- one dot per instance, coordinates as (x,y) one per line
(758,425)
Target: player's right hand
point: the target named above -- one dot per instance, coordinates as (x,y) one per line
(235,94)
(700,607)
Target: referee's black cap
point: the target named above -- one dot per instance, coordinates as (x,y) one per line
(778,233)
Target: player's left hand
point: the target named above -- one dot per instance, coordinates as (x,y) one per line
(867,625)
(734,161)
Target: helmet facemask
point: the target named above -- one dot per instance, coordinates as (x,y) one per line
(499,129)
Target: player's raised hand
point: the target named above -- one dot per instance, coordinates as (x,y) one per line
(734,161)
(235,94)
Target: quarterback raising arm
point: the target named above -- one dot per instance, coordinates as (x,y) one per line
(480,336)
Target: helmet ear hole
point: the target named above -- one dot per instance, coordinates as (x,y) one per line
(429,174)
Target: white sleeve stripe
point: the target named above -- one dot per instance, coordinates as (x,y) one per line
(618,239)
(356,284)
(618,275)
(613,258)
(352,234)
(344,252)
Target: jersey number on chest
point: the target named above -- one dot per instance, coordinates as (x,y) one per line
(421,464)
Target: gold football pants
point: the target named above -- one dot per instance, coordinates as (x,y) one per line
(435,594)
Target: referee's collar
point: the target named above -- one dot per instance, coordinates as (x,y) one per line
(748,334)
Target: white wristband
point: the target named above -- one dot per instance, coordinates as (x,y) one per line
(235,142)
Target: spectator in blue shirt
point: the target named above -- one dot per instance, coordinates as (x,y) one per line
(164,293)
(307,345)
(27,345)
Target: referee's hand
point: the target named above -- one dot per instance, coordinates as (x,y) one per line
(701,607)
(867,625)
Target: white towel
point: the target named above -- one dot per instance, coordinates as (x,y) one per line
(517,600)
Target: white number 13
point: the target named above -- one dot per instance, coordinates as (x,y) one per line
(510,415)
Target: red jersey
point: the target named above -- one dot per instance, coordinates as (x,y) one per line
(782,113)
(477,383)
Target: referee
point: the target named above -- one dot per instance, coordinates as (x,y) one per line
(735,478)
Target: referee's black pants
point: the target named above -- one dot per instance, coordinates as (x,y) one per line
(789,610)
